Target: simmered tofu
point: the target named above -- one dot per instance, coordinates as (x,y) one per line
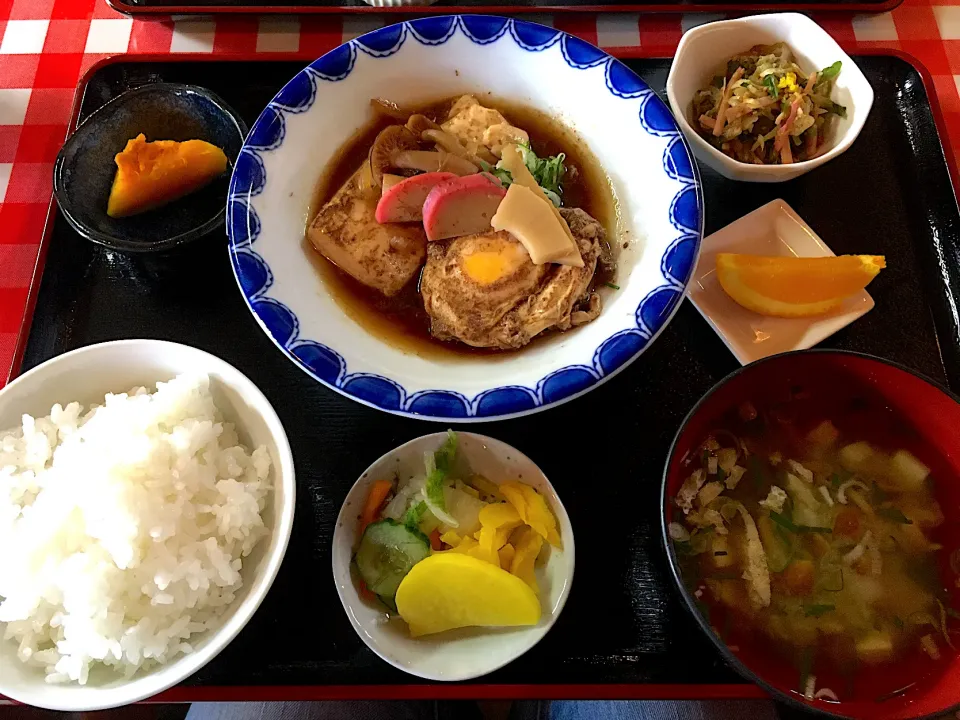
(475,126)
(345,231)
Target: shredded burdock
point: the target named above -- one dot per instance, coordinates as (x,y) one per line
(763,109)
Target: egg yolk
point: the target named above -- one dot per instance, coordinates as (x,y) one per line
(485,267)
(789,81)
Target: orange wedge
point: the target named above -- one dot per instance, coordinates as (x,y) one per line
(793,287)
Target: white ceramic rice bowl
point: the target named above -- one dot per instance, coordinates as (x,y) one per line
(469,652)
(86,375)
(627,127)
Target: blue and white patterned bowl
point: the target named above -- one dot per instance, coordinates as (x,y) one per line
(624,123)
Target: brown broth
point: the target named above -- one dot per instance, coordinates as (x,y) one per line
(401,320)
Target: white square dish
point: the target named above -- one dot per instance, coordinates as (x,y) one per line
(774,230)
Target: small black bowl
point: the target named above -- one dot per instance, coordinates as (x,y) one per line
(85,167)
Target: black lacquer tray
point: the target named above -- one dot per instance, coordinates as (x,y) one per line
(624,631)
(497,7)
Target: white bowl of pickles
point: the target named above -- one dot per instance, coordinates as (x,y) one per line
(452,556)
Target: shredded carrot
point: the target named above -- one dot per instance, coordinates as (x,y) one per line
(786,155)
(365,592)
(724,99)
(782,142)
(811,81)
(375,499)
(435,542)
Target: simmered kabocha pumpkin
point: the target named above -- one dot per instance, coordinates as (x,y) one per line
(152,174)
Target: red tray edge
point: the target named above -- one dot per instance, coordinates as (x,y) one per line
(799,5)
(636,691)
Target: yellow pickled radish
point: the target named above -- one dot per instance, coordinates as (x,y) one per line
(529,544)
(453,590)
(506,553)
(533,509)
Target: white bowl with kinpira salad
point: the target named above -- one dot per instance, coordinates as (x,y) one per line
(452,556)
(146,501)
(766,98)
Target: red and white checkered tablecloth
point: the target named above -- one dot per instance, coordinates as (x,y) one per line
(47,45)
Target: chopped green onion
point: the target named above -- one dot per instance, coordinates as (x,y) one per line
(783,521)
(817,610)
(894,514)
(829,73)
(771,82)
(814,529)
(611,285)
(898,622)
(548,172)
(953,613)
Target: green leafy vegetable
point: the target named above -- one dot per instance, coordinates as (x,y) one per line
(829,73)
(814,529)
(438,466)
(548,172)
(817,610)
(783,521)
(414,515)
(894,514)
(835,108)
(771,82)
(501,174)
(788,524)
(447,452)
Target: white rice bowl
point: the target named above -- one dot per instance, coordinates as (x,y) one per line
(131,523)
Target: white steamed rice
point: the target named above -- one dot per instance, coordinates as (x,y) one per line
(122,528)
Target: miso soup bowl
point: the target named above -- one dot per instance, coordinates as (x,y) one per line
(925,407)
